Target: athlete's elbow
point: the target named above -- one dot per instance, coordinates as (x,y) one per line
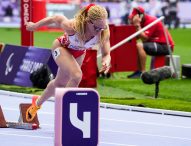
(58,19)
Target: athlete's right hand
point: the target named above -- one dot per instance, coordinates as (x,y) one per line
(30,26)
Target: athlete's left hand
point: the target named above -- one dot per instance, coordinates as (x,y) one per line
(106,64)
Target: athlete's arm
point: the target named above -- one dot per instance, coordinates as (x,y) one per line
(61,21)
(105,50)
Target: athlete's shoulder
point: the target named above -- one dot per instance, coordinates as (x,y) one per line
(69,27)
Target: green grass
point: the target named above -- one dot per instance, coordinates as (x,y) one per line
(169,89)
(41,39)
(173,95)
(182,44)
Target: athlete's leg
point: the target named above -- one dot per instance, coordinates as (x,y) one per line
(69,75)
(141,57)
(64,79)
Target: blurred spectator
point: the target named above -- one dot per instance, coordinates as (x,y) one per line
(108,11)
(155,8)
(172,13)
(8,11)
(126,7)
(164,10)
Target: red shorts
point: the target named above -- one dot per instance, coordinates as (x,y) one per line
(64,42)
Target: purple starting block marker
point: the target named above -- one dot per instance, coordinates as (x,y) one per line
(76,117)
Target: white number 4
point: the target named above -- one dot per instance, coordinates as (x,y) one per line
(85,125)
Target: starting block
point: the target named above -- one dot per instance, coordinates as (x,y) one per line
(2,119)
(22,119)
(76,117)
(22,122)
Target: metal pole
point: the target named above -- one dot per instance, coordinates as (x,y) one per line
(134,35)
(169,50)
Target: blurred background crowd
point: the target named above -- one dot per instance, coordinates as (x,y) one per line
(176,12)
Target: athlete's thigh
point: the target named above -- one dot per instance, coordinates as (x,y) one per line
(66,62)
(63,75)
(80,59)
(64,59)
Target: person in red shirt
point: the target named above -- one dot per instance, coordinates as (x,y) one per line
(153,41)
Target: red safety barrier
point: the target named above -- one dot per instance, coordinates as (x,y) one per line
(158,61)
(26,16)
(89,69)
(39,11)
(124,58)
(31,10)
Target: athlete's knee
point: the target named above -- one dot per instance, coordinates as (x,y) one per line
(76,76)
(59,83)
(50,84)
(139,46)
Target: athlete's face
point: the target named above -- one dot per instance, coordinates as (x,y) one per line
(97,26)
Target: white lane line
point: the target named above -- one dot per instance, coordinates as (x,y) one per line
(147,134)
(45,137)
(112,131)
(24,135)
(114,120)
(147,123)
(117,144)
(117,120)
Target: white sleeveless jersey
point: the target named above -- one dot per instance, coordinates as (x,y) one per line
(75,44)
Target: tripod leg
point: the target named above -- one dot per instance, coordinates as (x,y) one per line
(156,89)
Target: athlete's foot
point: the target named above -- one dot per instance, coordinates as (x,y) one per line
(32,110)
